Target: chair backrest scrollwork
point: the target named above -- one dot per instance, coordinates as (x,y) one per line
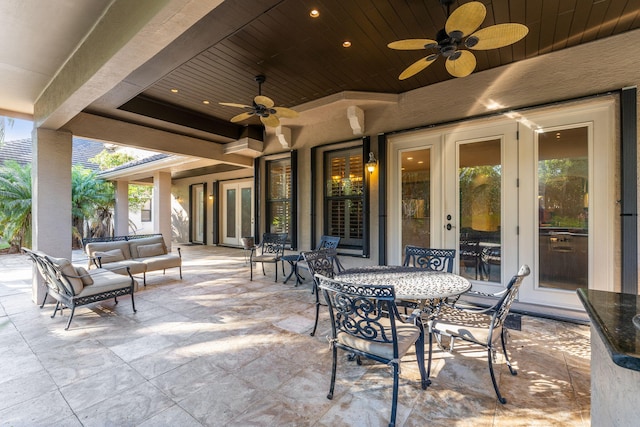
(429,258)
(273,244)
(366,312)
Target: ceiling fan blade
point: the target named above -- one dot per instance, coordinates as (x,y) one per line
(463,66)
(264,100)
(466,19)
(287,113)
(240,117)
(271,121)
(411,44)
(417,66)
(231,104)
(496,36)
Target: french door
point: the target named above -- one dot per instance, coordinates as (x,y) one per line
(513,190)
(237,212)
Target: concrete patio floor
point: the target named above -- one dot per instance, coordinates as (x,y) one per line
(215,349)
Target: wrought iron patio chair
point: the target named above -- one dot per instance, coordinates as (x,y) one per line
(271,250)
(297,262)
(429,258)
(321,261)
(360,327)
(464,325)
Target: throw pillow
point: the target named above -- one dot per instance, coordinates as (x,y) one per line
(84,276)
(113,255)
(68,270)
(154,249)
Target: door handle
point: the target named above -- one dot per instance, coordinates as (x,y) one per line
(449,226)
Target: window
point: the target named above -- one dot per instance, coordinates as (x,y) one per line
(344,196)
(145,211)
(279,196)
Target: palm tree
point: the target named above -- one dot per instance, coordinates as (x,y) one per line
(15,202)
(92,200)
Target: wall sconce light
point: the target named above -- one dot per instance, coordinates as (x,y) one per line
(210,196)
(371,163)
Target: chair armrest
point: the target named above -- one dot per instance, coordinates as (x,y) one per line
(97,261)
(179,252)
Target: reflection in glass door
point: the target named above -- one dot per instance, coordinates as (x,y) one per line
(416,197)
(480,210)
(563,198)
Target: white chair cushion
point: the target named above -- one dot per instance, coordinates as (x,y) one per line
(407,336)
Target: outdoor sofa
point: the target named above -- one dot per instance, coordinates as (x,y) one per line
(136,254)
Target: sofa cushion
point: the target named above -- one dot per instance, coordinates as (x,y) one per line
(69,270)
(84,276)
(153,249)
(134,244)
(120,267)
(114,255)
(160,262)
(94,247)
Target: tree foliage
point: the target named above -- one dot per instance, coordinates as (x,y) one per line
(15,203)
(138,194)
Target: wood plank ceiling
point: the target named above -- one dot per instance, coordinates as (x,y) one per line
(303,58)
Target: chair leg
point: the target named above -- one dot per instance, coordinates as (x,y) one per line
(180,272)
(73,309)
(276,268)
(424,377)
(144,278)
(315,325)
(55,310)
(133,303)
(251,269)
(333,371)
(428,381)
(394,399)
(504,351)
(46,294)
(493,376)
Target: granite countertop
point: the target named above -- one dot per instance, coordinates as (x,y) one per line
(612,315)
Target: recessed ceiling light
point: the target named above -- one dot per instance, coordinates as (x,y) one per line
(314,13)
(346,43)
(205,102)
(174,90)
(409,158)
(420,162)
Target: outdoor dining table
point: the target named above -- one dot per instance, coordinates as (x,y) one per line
(430,288)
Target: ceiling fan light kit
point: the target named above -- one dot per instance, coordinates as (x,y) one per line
(460,31)
(263,107)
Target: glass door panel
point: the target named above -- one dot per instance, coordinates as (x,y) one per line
(563,197)
(480,204)
(198,206)
(416,197)
(237,209)
(246,212)
(230,214)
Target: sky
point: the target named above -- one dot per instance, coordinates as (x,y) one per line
(21,129)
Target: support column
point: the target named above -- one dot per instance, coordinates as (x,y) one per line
(50,198)
(122,208)
(162,206)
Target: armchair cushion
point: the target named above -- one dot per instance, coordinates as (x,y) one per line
(106,280)
(84,276)
(153,249)
(407,335)
(69,271)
